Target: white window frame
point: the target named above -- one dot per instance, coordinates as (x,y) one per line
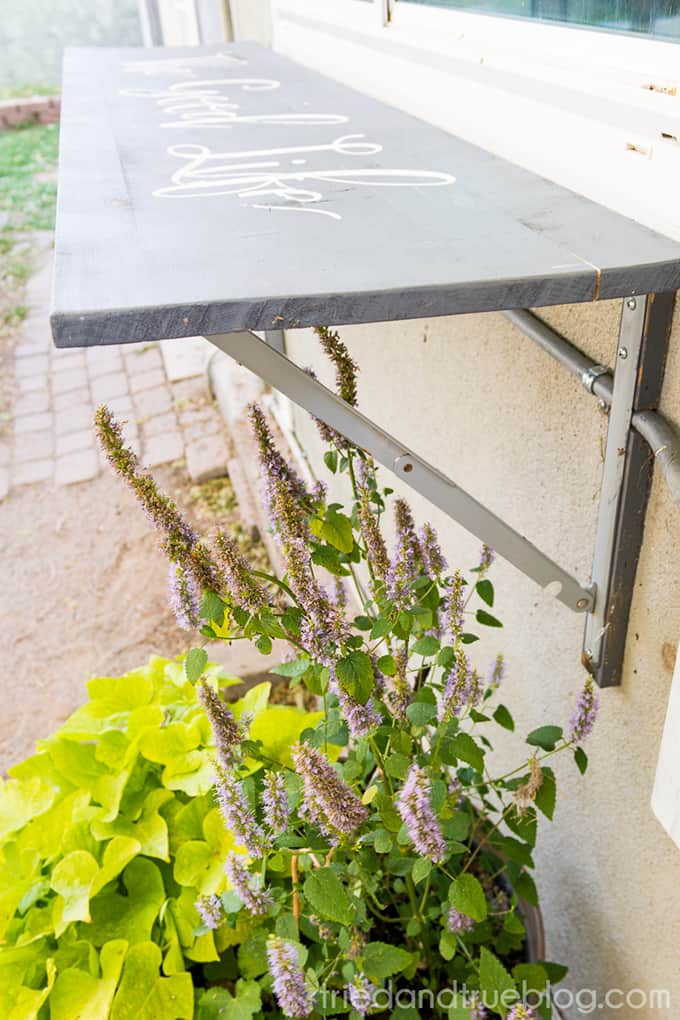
(566,102)
(553,39)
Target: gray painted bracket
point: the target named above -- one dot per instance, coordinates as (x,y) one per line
(279,371)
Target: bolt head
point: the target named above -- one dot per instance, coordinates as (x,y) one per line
(581,603)
(623,353)
(407,467)
(632,304)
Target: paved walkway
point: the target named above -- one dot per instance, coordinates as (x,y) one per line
(160,390)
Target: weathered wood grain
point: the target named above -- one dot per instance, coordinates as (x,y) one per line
(313,204)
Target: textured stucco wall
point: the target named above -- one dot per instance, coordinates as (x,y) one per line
(477,399)
(481,402)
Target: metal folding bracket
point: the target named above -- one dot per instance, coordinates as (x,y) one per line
(626,477)
(626,481)
(277,370)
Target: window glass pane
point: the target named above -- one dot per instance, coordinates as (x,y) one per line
(653,17)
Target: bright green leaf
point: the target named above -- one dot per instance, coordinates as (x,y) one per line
(581,759)
(545,737)
(547,794)
(386,665)
(465,747)
(72,879)
(144,995)
(426,646)
(195,662)
(486,619)
(421,869)
(382,960)
(77,993)
(328,896)
(494,981)
(294,668)
(503,718)
(219,1004)
(336,529)
(467,896)
(420,713)
(485,591)
(355,674)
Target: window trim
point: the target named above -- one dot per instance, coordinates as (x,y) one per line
(627,49)
(453,32)
(577,114)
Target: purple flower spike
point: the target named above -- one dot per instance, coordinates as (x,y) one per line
(462,689)
(376,551)
(432,554)
(486,558)
(226,731)
(325,624)
(285,494)
(522,1012)
(477,1010)
(585,712)
(454,602)
(416,812)
(346,369)
(361,992)
(497,672)
(275,801)
(210,910)
(183,596)
(459,923)
(237,815)
(243,588)
(328,802)
(361,719)
(400,697)
(290,988)
(407,556)
(328,434)
(179,541)
(255,899)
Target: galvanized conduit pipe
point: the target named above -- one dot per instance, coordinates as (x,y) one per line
(661,437)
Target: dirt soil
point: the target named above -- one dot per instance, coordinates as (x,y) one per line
(83,593)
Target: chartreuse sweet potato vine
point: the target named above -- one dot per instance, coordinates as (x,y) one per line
(108,836)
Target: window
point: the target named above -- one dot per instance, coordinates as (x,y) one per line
(659,18)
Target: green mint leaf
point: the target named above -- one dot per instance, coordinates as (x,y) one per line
(545,737)
(486,619)
(195,662)
(467,896)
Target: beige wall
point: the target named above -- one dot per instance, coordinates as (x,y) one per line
(482,403)
(477,399)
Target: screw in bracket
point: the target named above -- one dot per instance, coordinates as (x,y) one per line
(403,464)
(632,304)
(623,353)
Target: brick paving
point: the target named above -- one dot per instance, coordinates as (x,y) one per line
(55,392)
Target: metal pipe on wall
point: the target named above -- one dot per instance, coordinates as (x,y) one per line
(661,436)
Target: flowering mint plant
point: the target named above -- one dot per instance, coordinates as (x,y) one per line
(383,868)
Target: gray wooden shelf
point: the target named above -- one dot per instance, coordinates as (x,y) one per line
(223,190)
(407,222)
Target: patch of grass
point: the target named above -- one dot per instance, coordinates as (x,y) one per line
(28,158)
(15,315)
(28,90)
(26,153)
